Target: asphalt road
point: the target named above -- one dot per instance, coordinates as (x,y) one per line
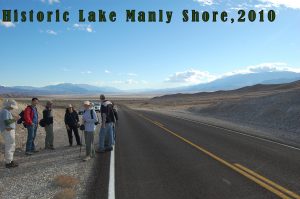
(161,157)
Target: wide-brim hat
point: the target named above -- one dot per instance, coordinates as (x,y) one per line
(88,103)
(10,103)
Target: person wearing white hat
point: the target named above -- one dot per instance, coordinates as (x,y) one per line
(7,128)
(90,120)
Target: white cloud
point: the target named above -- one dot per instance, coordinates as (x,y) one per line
(191,76)
(205,2)
(51,1)
(294,4)
(83,27)
(107,71)
(86,72)
(51,32)
(7,24)
(132,74)
(264,67)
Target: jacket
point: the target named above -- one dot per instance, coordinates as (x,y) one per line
(6,120)
(90,117)
(71,119)
(28,115)
(48,116)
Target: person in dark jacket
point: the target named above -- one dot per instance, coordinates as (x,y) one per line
(31,118)
(72,123)
(48,120)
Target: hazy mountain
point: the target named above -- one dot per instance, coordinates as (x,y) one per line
(66,88)
(243,80)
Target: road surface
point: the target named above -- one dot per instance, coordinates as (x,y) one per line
(162,157)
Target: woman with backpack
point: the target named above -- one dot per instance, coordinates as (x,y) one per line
(72,124)
(90,120)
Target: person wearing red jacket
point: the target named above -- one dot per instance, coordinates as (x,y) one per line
(31,119)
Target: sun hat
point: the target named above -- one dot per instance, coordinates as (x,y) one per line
(10,103)
(88,103)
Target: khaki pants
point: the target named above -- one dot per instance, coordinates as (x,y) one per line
(49,136)
(89,143)
(10,145)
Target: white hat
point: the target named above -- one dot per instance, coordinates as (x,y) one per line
(88,103)
(70,106)
(10,103)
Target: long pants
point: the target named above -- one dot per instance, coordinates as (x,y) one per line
(89,143)
(49,136)
(106,133)
(10,145)
(70,135)
(30,146)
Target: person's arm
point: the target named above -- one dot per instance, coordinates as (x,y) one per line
(27,116)
(8,120)
(116,114)
(77,117)
(65,119)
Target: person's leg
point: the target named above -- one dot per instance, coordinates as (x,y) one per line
(34,136)
(51,136)
(92,145)
(30,131)
(110,135)
(10,146)
(76,133)
(102,136)
(47,138)
(70,136)
(88,143)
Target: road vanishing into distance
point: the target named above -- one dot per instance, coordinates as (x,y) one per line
(162,157)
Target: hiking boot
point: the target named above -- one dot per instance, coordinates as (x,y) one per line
(109,149)
(87,158)
(12,164)
(28,153)
(100,151)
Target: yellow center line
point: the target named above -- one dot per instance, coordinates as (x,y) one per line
(262,181)
(277,186)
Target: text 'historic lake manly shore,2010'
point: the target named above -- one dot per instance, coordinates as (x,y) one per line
(161,16)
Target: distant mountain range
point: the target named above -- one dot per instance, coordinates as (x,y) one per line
(60,89)
(226,83)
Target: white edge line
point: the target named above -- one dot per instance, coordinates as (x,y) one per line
(237,132)
(111,185)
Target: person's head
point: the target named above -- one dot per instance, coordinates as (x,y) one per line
(10,104)
(34,101)
(49,104)
(102,98)
(86,105)
(70,108)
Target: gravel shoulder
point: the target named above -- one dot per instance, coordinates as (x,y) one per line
(34,178)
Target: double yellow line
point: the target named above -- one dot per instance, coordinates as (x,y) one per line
(255,177)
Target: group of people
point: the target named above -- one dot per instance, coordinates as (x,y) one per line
(30,119)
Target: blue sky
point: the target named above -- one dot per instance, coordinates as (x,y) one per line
(145,55)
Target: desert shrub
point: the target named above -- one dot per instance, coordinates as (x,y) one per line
(65,181)
(65,194)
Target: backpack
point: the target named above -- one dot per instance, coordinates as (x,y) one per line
(22,119)
(110,115)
